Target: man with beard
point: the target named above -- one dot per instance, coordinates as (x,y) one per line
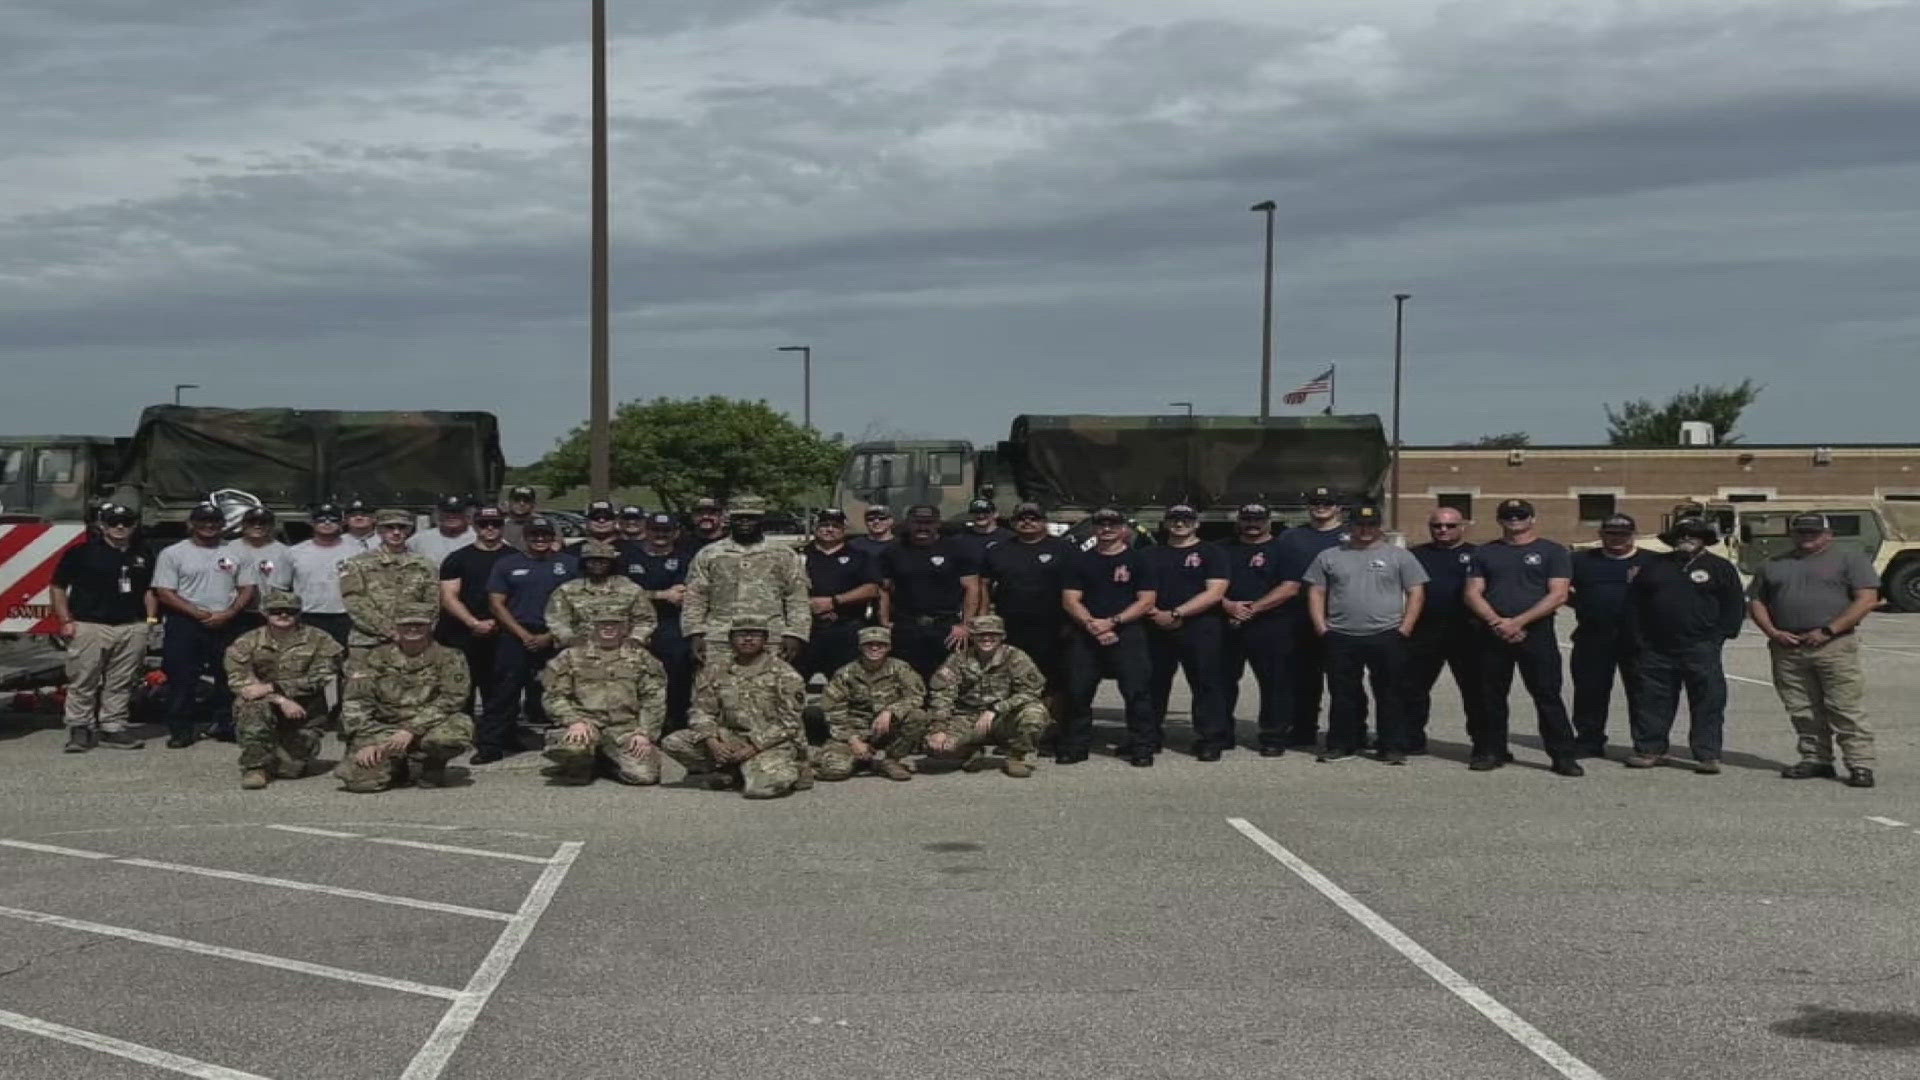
(744,731)
(658,564)
(876,712)
(1186,629)
(709,524)
(1021,584)
(1261,577)
(1364,598)
(1326,527)
(1684,606)
(202,587)
(1603,639)
(747,575)
(931,584)
(519,516)
(1109,592)
(453,532)
(981,533)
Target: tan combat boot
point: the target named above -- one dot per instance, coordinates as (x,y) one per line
(1016,766)
(254,779)
(892,770)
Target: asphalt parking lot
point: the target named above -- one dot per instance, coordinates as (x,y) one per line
(1249,918)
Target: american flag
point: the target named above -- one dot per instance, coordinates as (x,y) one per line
(1319,384)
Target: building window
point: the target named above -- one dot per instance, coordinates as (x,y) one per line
(1596,508)
(1747,496)
(946,469)
(1455,500)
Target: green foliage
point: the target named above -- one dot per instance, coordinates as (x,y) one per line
(1506,440)
(1642,423)
(684,449)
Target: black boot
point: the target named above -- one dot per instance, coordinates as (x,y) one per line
(79,740)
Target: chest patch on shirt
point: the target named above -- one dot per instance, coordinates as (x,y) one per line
(559,569)
(266,567)
(517,573)
(1046,556)
(1259,559)
(225,565)
(1377,564)
(673,564)
(1698,577)
(1192,561)
(1122,574)
(938,560)
(1465,559)
(1531,559)
(845,559)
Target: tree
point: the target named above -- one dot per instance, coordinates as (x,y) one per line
(1506,440)
(688,448)
(1642,423)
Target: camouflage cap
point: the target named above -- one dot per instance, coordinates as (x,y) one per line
(747,624)
(987,624)
(706,504)
(415,612)
(598,549)
(872,634)
(281,600)
(394,517)
(746,506)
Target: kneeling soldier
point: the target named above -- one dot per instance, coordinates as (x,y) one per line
(744,727)
(607,696)
(989,692)
(875,704)
(279,675)
(403,704)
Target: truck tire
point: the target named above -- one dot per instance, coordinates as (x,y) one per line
(1903,586)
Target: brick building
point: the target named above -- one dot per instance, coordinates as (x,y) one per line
(1574,487)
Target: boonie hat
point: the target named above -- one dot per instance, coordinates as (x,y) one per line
(1513,510)
(281,600)
(414,613)
(980,506)
(393,517)
(987,624)
(1619,523)
(206,512)
(876,633)
(1809,523)
(1254,512)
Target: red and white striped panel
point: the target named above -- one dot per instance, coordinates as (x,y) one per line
(28,554)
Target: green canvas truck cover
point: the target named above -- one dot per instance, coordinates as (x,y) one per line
(1208,461)
(297,457)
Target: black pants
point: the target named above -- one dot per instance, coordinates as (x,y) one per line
(1126,662)
(922,642)
(336,625)
(516,686)
(1261,644)
(1599,651)
(1453,644)
(1194,647)
(831,645)
(1382,659)
(1307,674)
(1537,655)
(189,650)
(675,653)
(1663,671)
(1044,642)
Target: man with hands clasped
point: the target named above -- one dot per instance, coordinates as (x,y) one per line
(1514,585)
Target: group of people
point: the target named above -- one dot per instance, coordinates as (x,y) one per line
(487,633)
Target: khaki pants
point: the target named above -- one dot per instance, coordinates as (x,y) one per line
(1821,688)
(103,663)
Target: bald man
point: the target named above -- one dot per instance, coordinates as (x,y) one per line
(1446,636)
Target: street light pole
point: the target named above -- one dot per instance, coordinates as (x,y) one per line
(806,382)
(1266,317)
(599,436)
(1399,334)
(177,387)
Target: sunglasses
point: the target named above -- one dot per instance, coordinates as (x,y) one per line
(1446,525)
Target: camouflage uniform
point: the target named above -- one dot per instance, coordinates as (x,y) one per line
(573,603)
(757,702)
(620,692)
(1007,682)
(298,666)
(856,695)
(729,580)
(387,691)
(375,584)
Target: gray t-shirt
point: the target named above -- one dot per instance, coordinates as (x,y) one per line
(1366,586)
(271,567)
(436,545)
(205,576)
(316,575)
(1805,591)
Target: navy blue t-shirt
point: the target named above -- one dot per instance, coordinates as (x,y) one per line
(1108,584)
(1305,542)
(1182,573)
(926,580)
(1254,570)
(528,582)
(1600,585)
(1026,577)
(830,574)
(658,573)
(1446,569)
(1517,574)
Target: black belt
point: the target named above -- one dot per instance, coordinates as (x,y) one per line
(929,620)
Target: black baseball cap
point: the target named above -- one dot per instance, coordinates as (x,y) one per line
(257,515)
(452,504)
(1182,510)
(1619,523)
(1809,523)
(878,512)
(1108,515)
(923,513)
(206,512)
(833,514)
(520,491)
(1029,510)
(326,511)
(541,525)
(1322,496)
(1367,514)
(632,513)
(358,506)
(1255,512)
(1513,510)
(489,515)
(1698,528)
(600,510)
(660,519)
(980,506)
(118,514)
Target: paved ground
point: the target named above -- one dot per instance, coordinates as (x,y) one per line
(1092,921)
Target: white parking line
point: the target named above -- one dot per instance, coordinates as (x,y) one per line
(1562,1060)
(257,879)
(465,1010)
(451,849)
(1888,822)
(145,1055)
(405,986)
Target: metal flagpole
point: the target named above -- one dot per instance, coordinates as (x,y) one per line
(1333,387)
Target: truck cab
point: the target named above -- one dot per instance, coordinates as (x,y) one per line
(898,473)
(54,477)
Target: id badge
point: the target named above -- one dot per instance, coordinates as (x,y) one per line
(126,586)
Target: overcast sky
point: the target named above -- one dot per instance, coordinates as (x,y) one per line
(969,208)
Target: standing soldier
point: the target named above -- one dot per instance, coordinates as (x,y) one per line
(659,565)
(1186,629)
(518,589)
(746,574)
(607,696)
(1685,606)
(931,586)
(519,516)
(1260,579)
(402,706)
(374,583)
(454,531)
(1808,602)
(876,713)
(1306,661)
(745,730)
(1109,592)
(280,674)
(842,583)
(315,564)
(1514,585)
(982,533)
(986,694)
(360,530)
(203,588)
(1021,582)
(1447,634)
(879,537)
(101,601)
(1364,598)
(709,524)
(597,587)
(1603,634)
(467,624)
